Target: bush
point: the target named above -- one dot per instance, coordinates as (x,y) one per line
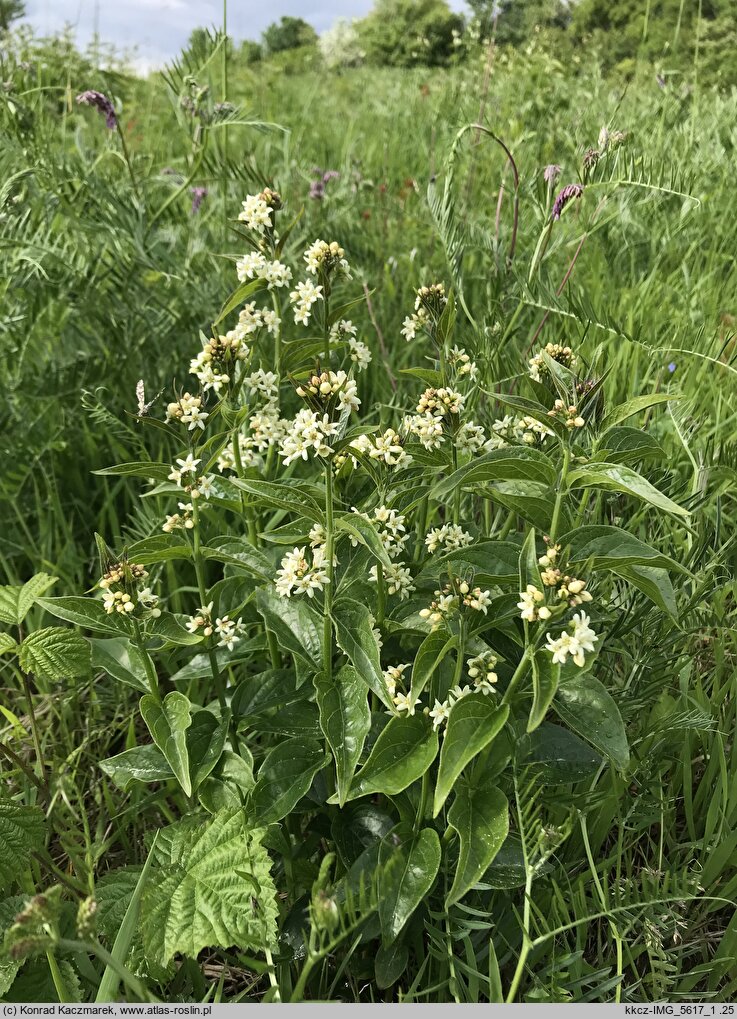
(341,45)
(405,33)
(288,34)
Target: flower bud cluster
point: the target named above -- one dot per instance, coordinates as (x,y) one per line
(323,259)
(188,410)
(563,355)
(319,390)
(455,597)
(567,414)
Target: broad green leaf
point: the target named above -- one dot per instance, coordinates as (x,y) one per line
(345,720)
(427,375)
(602,547)
(205,743)
(363,533)
(529,571)
(532,502)
(168,721)
(473,723)
(256,694)
(299,719)
(22,831)
(545,679)
(148,469)
(430,654)
(654,583)
(491,562)
(210,887)
(159,548)
(511,463)
(356,638)
(7,644)
(228,785)
(628,445)
(120,659)
(288,496)
(168,628)
(239,297)
(85,612)
(408,864)
(404,751)
(558,755)
(634,406)
(586,707)
(294,624)
(358,826)
(284,777)
(620,478)
(507,869)
(55,653)
(16,602)
(139,764)
(480,815)
(240,554)
(391,962)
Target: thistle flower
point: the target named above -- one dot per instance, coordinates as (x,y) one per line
(101,103)
(551,173)
(569,192)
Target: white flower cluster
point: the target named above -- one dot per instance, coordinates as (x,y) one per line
(568,414)
(397,578)
(575,644)
(320,389)
(181,520)
(257,209)
(526,430)
(427,429)
(196,487)
(570,589)
(532,604)
(470,438)
(214,364)
(441,709)
(188,410)
(251,319)
(303,297)
(227,629)
(563,355)
(440,403)
(390,527)
(462,364)
(308,432)
(454,597)
(297,575)
(324,258)
(255,265)
(263,383)
(118,601)
(358,351)
(429,304)
(449,538)
(116,586)
(481,671)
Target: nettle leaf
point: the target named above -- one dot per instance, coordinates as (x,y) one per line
(430,654)
(558,756)
(403,752)
(17,601)
(620,478)
(294,624)
(480,815)
(55,653)
(205,743)
(632,407)
(210,886)
(545,679)
(408,865)
(511,463)
(168,721)
(585,706)
(345,719)
(85,612)
(139,764)
(7,644)
(289,496)
(474,721)
(356,638)
(603,547)
(284,777)
(22,831)
(230,782)
(120,659)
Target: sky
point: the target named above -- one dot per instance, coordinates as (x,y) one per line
(158,29)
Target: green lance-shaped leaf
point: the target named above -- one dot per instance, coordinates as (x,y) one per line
(294,624)
(139,764)
(480,815)
(290,497)
(363,532)
(121,660)
(168,628)
(512,463)
(284,777)
(404,751)
(356,638)
(230,783)
(147,469)
(620,478)
(586,707)
(85,612)
(473,723)
(430,654)
(21,833)
(205,743)
(55,653)
(602,547)
(168,721)
(529,572)
(654,583)
(210,886)
(634,406)
(345,719)
(545,679)
(557,755)
(408,865)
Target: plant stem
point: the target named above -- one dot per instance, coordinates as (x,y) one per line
(200,573)
(327,630)
(380,594)
(518,673)
(272,975)
(151,676)
(59,985)
(34,729)
(560,493)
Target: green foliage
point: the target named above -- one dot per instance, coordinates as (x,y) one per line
(405,33)
(288,34)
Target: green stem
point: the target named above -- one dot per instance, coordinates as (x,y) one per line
(560,494)
(151,676)
(126,157)
(34,729)
(61,988)
(201,587)
(180,190)
(380,595)
(272,974)
(327,632)
(518,673)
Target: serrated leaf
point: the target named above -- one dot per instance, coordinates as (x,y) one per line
(210,886)
(356,638)
(345,720)
(9,908)
(168,721)
(139,764)
(294,624)
(55,653)
(587,708)
(474,721)
(620,478)
(16,601)
(403,752)
(284,777)
(408,865)
(22,831)
(480,815)
(7,643)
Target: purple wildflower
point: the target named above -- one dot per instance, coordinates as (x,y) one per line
(317,190)
(330,175)
(564,197)
(101,103)
(551,173)
(660,80)
(317,186)
(198,194)
(672,367)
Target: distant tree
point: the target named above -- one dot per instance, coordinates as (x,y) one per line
(10,11)
(403,33)
(288,34)
(517,20)
(341,45)
(250,52)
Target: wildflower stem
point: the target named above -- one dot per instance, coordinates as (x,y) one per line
(126,157)
(151,676)
(518,674)
(327,630)
(34,727)
(202,589)
(560,494)
(380,594)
